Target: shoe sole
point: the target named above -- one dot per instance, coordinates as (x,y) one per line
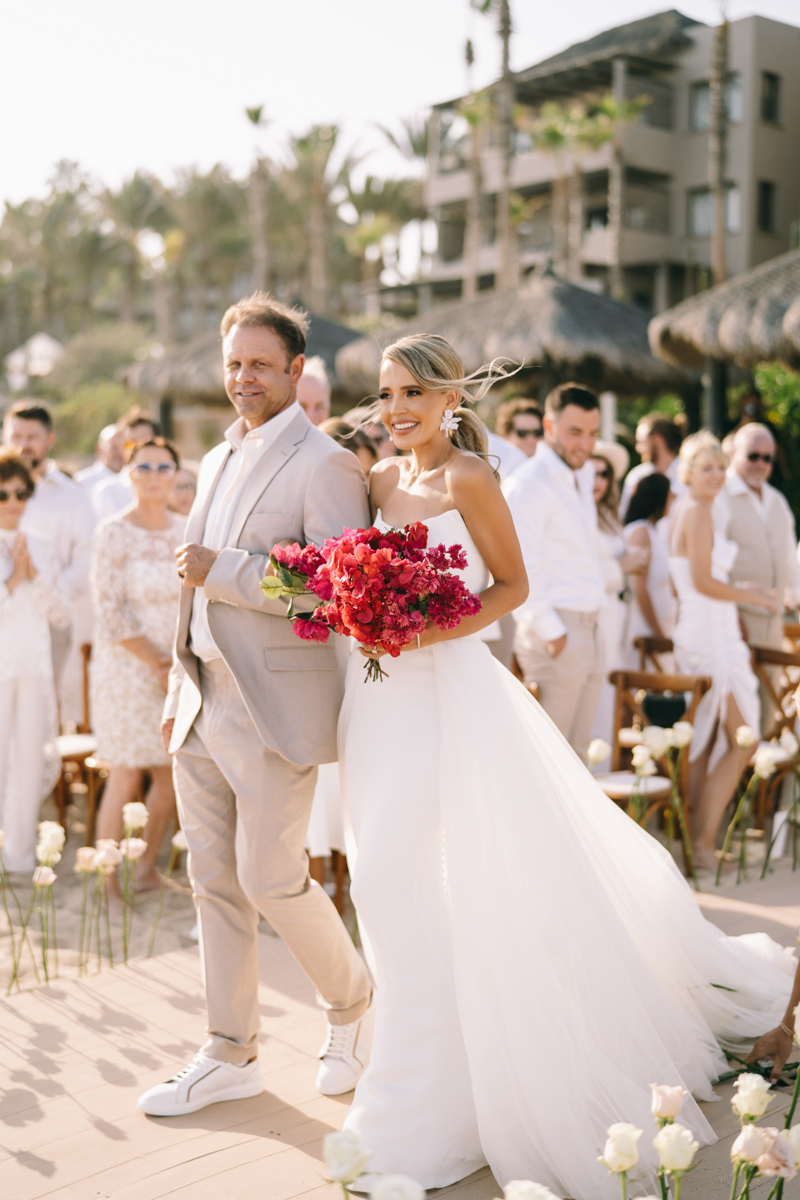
(341,1091)
(182,1110)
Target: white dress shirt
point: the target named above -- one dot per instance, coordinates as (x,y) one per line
(511,457)
(60,513)
(764,506)
(556,522)
(111,496)
(638,473)
(248,447)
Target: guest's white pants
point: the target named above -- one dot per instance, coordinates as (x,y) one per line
(23,733)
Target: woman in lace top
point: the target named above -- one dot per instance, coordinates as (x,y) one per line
(136,589)
(29,604)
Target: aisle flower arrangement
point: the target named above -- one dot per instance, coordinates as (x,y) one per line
(668,746)
(766,760)
(380,588)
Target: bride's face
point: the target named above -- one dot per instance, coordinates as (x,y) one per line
(411,413)
(706,477)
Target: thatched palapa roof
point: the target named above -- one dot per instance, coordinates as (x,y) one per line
(546,323)
(751,318)
(193,373)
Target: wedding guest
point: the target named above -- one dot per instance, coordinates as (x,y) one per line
(113,495)
(558,643)
(363,418)
(59,513)
(184,490)
(708,641)
(314,391)
(109,461)
(357,440)
(653,606)
(136,592)
(519,421)
(30,604)
(658,440)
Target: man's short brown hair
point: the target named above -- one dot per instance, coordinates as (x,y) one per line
(31,410)
(521,406)
(261,309)
(570,393)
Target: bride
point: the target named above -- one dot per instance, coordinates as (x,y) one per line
(539,959)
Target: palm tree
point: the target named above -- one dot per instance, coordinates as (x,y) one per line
(137,206)
(611,114)
(258,197)
(717,137)
(508,273)
(476,110)
(312,154)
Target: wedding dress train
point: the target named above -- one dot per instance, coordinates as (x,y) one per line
(539,958)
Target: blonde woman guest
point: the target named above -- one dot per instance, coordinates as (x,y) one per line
(30,603)
(708,640)
(353,438)
(653,606)
(136,590)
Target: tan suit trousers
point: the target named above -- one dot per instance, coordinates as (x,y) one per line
(569,685)
(245,812)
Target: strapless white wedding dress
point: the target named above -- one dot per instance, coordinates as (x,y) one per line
(539,958)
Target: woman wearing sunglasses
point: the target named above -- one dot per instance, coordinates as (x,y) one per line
(29,605)
(136,591)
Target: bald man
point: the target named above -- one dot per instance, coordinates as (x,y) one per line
(757,517)
(314,391)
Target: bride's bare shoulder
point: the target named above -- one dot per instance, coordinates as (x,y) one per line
(467,472)
(384,478)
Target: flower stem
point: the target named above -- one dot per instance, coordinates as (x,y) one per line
(125,909)
(662,1183)
(4,884)
(108,922)
(43,915)
(795,1095)
(790,816)
(52,925)
(678,1184)
(23,939)
(677,804)
(173,858)
(82,935)
(623,1181)
(736,1172)
(730,830)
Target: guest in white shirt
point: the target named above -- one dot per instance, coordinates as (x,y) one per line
(110,452)
(60,514)
(113,495)
(314,391)
(519,422)
(558,642)
(658,442)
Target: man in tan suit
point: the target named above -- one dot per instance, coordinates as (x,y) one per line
(757,517)
(252,711)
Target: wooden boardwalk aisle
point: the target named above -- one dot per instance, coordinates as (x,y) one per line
(75,1056)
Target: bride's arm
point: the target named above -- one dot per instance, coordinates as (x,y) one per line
(476,494)
(698,534)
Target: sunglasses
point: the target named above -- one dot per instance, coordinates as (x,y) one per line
(162,469)
(765,458)
(524,433)
(605,474)
(13,494)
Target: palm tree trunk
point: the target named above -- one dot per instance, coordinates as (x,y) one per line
(257,195)
(559,206)
(129,287)
(575,223)
(508,273)
(472,231)
(716,149)
(318,248)
(615,201)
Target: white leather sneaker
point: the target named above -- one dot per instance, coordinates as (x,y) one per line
(204,1081)
(345,1054)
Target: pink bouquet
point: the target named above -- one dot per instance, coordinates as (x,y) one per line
(380,588)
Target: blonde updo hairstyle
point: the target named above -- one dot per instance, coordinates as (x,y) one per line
(693,447)
(438,368)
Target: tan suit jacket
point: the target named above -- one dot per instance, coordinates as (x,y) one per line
(305,488)
(767,556)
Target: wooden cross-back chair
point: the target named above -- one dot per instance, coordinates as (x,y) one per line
(649,650)
(791,633)
(778,672)
(81,771)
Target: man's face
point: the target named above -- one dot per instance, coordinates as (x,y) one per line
(753,458)
(111,451)
(525,433)
(260,378)
(31,438)
(644,443)
(314,396)
(572,433)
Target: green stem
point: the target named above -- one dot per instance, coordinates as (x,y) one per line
(82,935)
(623,1180)
(662,1183)
(677,802)
(736,1172)
(793,1105)
(789,816)
(23,939)
(730,830)
(125,909)
(108,922)
(131,898)
(4,883)
(43,924)
(173,858)
(678,1175)
(52,924)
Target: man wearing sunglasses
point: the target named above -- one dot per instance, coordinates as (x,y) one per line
(757,517)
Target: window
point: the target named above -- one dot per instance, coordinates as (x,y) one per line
(657,114)
(701,211)
(770,97)
(765,213)
(700,103)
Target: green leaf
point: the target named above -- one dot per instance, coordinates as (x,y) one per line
(272,587)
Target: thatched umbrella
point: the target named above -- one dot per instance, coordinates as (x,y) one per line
(568,331)
(193,373)
(751,318)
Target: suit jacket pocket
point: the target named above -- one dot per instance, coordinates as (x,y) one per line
(300,658)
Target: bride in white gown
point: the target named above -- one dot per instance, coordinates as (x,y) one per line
(539,959)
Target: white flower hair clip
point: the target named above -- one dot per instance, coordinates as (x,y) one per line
(449,422)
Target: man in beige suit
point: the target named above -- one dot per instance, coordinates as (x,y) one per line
(757,517)
(252,711)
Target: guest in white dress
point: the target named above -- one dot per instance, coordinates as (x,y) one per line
(29,603)
(136,591)
(708,641)
(653,606)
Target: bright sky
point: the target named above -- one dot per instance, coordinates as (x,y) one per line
(159,84)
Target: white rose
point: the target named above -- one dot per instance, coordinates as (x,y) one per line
(649,768)
(134,815)
(753,1094)
(132,848)
(106,859)
(344,1156)
(523,1189)
(765,761)
(641,755)
(621,1152)
(598,751)
(676,1147)
(52,834)
(789,743)
(792,1138)
(43,877)
(84,858)
(682,733)
(102,843)
(745,737)
(179,841)
(656,740)
(751,1143)
(667,1101)
(778,1158)
(47,855)
(397,1187)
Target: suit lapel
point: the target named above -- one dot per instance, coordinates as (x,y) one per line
(196,524)
(265,470)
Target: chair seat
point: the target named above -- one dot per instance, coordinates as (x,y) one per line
(620,785)
(75,745)
(630,737)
